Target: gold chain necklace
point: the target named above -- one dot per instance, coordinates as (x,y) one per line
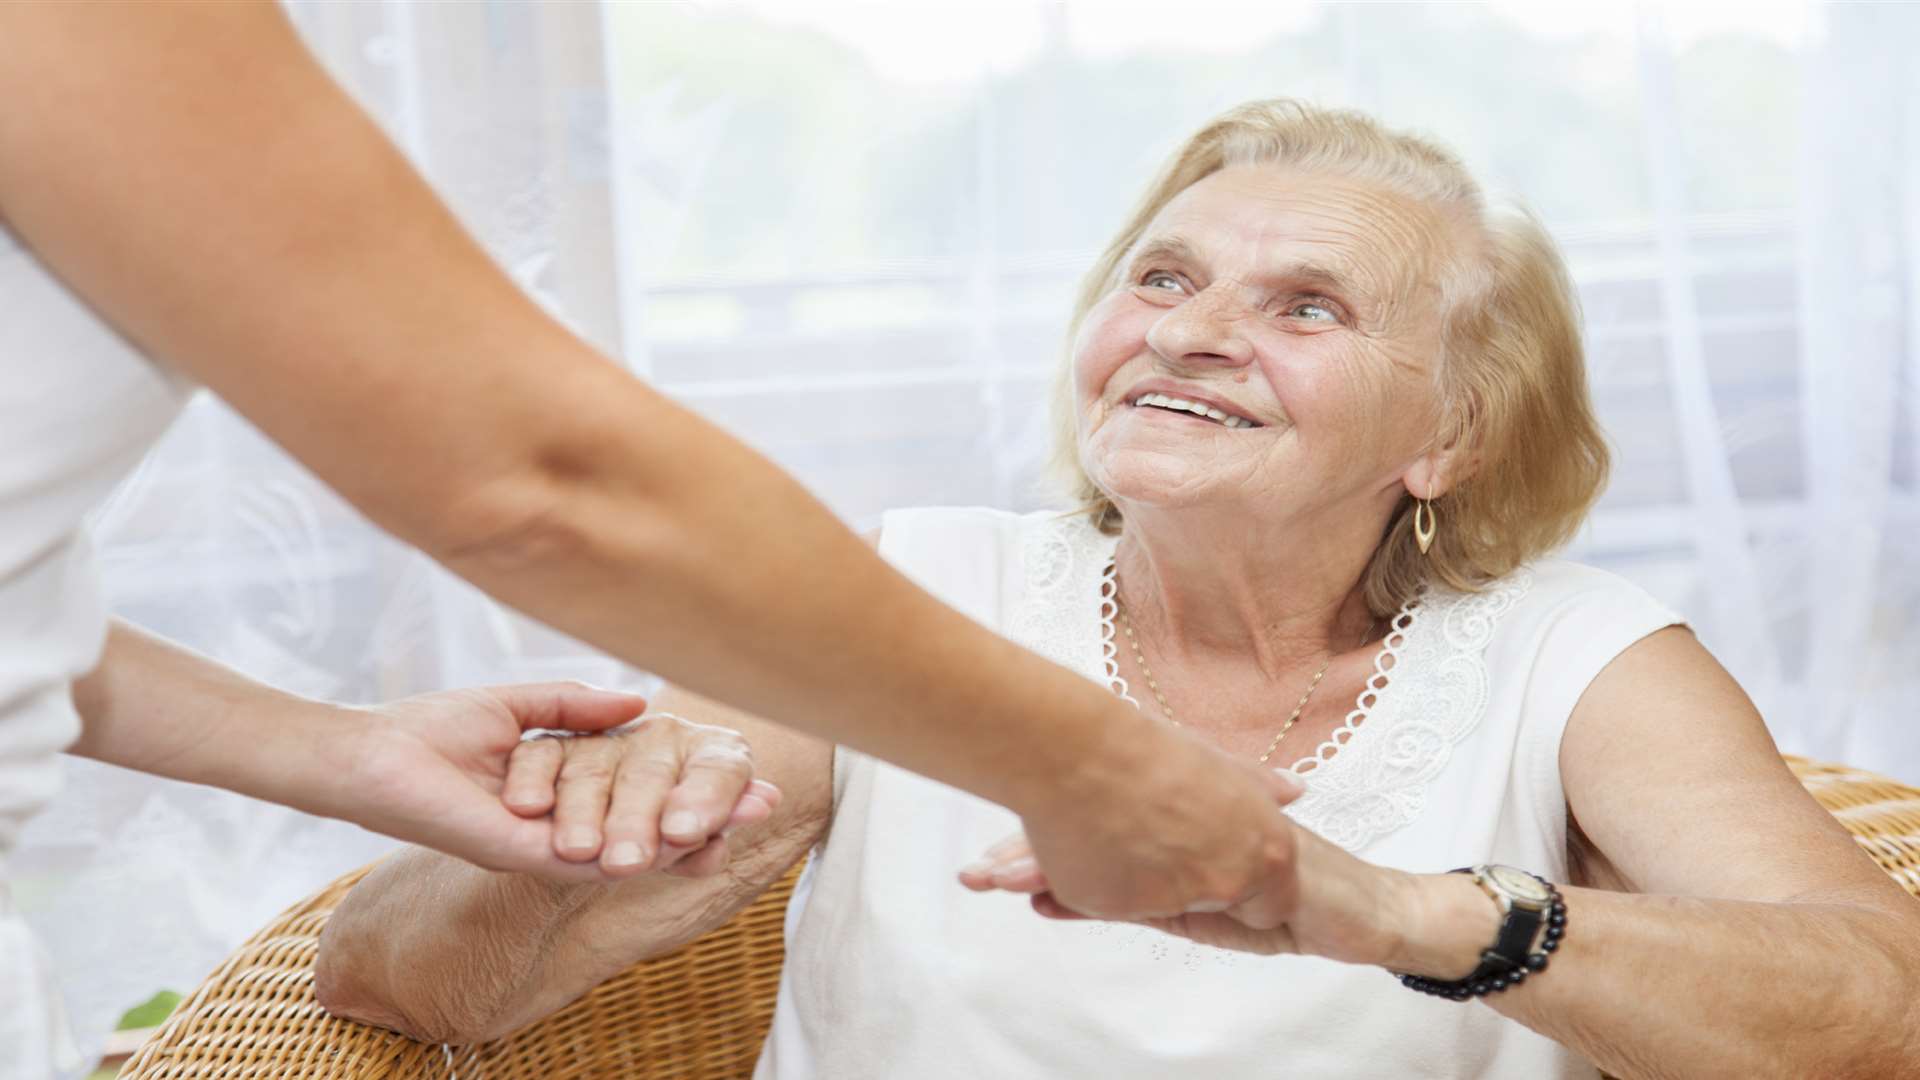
(1140,658)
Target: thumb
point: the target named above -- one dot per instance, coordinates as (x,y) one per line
(568,706)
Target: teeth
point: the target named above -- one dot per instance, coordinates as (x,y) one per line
(1167,401)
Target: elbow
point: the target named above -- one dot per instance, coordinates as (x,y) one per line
(515,522)
(348,987)
(345,989)
(546,496)
(344,994)
(549,521)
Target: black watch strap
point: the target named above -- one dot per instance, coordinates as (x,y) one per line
(1510,960)
(1517,933)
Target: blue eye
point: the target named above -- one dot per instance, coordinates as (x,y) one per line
(1160,279)
(1314,312)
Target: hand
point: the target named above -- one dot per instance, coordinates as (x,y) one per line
(433,770)
(1182,827)
(1323,902)
(662,796)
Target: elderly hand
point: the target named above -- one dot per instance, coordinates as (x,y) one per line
(661,796)
(451,771)
(1323,902)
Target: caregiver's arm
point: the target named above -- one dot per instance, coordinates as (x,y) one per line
(445,952)
(193,173)
(431,769)
(1728,926)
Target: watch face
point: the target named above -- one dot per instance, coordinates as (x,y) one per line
(1518,883)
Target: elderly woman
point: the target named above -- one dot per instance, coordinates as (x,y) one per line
(1329,416)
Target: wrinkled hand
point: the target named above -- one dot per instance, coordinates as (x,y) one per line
(662,796)
(1183,827)
(434,770)
(1322,902)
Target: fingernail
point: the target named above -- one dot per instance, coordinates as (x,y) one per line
(577,837)
(1016,868)
(1292,779)
(682,823)
(977,867)
(626,853)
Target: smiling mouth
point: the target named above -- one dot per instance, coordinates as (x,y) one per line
(1170,403)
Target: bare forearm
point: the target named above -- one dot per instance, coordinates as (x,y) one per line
(1653,986)
(1658,986)
(272,244)
(723,575)
(438,949)
(157,707)
(447,952)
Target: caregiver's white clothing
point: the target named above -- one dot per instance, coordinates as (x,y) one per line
(893,970)
(79,408)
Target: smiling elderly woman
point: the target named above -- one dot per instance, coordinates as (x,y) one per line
(1328,416)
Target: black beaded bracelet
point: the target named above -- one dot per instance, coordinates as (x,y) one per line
(1497,972)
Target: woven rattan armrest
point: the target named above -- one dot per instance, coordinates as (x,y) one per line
(699,1013)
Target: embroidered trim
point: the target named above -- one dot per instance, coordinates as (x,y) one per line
(1428,690)
(1384,662)
(1439,690)
(1109,648)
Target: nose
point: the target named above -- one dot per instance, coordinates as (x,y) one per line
(1209,329)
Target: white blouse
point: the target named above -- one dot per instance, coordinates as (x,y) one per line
(79,408)
(1450,757)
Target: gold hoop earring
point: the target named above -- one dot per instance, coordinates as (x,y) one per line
(1425,524)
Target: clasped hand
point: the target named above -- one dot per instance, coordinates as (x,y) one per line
(1320,900)
(594,802)
(602,800)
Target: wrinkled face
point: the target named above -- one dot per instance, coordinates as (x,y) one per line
(1271,344)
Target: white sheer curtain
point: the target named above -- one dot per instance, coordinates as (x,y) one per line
(849,233)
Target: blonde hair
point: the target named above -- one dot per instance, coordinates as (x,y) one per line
(1511,371)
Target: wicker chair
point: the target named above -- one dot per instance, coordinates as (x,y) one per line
(696,1014)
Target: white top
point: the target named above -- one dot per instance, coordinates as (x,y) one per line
(893,970)
(79,407)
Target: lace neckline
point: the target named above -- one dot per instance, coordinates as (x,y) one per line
(1427,692)
(1385,660)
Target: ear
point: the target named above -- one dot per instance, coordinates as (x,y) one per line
(1435,472)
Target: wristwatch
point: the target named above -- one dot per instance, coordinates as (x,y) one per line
(1525,903)
(1531,911)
